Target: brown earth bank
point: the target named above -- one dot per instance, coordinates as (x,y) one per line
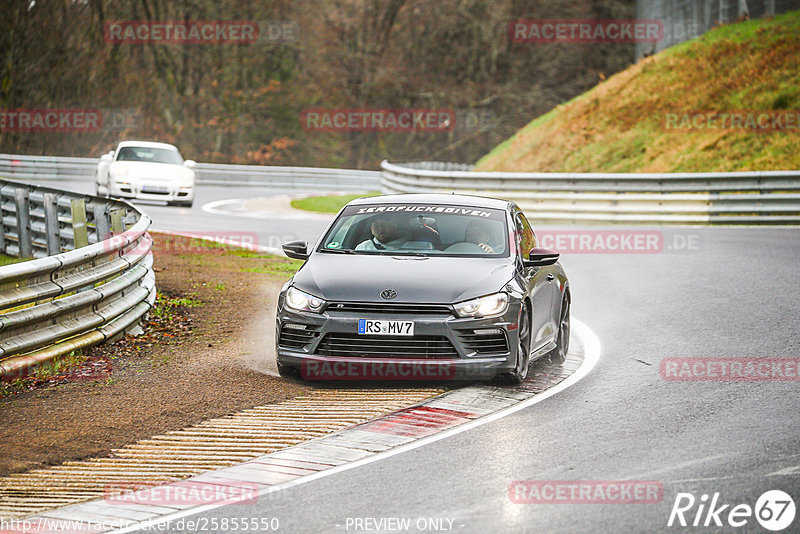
(207,333)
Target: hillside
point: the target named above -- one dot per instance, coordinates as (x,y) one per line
(634,121)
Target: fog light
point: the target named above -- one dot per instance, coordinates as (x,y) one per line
(487,332)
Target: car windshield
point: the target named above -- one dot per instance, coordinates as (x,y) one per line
(418,229)
(153,155)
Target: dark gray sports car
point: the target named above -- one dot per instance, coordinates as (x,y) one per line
(423,287)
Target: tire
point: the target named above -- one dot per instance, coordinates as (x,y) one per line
(520,372)
(180,203)
(559,354)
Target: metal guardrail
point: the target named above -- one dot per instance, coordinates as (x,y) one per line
(20,167)
(92,281)
(769,197)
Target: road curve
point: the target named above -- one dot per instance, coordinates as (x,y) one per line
(734,295)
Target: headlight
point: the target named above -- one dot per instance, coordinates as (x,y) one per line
(186,175)
(496,304)
(119,172)
(299,300)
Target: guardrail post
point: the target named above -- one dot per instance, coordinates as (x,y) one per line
(23,223)
(101,222)
(51,224)
(79,230)
(116,221)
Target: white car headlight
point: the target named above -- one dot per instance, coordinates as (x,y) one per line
(119,172)
(302,301)
(496,304)
(187,176)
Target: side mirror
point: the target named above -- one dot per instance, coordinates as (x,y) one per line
(297,250)
(541,257)
(190,163)
(106,157)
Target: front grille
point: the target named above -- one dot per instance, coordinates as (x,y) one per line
(295,338)
(484,343)
(390,308)
(358,346)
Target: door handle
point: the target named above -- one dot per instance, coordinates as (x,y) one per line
(551,277)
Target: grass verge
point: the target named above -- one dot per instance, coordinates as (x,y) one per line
(328,204)
(8,260)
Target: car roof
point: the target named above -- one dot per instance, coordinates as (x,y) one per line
(147,144)
(433,198)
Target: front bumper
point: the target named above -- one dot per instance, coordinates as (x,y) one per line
(444,347)
(152,190)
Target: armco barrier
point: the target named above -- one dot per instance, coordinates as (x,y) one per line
(18,167)
(769,197)
(92,279)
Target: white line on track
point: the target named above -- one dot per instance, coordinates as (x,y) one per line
(216,208)
(591,356)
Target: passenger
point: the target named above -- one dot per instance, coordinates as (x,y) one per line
(477,234)
(386,235)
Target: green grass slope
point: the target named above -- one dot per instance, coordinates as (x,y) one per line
(622,124)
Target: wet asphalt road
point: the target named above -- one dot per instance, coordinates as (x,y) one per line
(736,294)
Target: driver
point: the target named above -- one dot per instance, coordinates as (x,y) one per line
(386,235)
(477,234)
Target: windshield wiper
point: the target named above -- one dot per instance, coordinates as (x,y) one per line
(399,254)
(339,250)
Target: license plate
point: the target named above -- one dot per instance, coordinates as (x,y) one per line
(154,189)
(385,328)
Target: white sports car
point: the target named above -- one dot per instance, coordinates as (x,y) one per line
(146,171)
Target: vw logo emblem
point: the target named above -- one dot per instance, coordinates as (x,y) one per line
(388,294)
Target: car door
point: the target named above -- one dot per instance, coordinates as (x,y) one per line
(540,287)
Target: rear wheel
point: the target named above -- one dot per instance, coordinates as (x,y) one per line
(523,352)
(559,354)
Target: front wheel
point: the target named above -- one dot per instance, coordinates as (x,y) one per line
(559,354)
(520,372)
(288,371)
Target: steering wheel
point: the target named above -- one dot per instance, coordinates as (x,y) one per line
(465,248)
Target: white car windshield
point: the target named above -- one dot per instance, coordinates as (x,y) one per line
(419,229)
(153,155)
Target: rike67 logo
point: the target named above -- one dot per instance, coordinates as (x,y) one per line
(774,510)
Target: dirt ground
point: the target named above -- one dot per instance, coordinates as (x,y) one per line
(206,349)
